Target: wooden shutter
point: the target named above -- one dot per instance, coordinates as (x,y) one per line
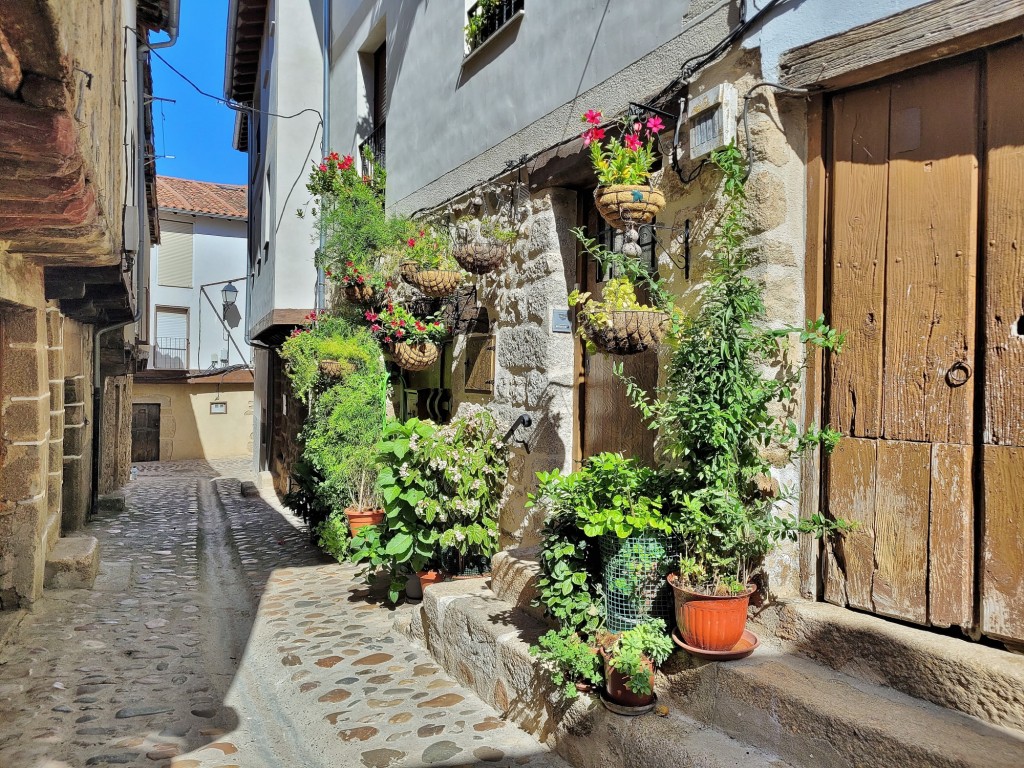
(380,86)
(172,323)
(175,255)
(480,364)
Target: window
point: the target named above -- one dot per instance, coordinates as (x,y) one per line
(175,254)
(171,348)
(379,109)
(485,18)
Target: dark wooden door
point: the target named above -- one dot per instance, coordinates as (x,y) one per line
(146,432)
(608,420)
(916,398)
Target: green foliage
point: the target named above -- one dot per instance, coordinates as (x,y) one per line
(429,248)
(332,535)
(628,652)
(303,498)
(718,409)
(474,29)
(441,488)
(569,659)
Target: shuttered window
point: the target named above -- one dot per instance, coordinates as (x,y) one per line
(175,255)
(171,338)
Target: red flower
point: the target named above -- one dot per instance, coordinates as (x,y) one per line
(327,272)
(371,315)
(632,141)
(401,323)
(348,263)
(420,326)
(345,163)
(332,156)
(323,167)
(592,116)
(422,232)
(592,135)
(394,323)
(411,242)
(375,328)
(389,284)
(654,124)
(360,280)
(399,334)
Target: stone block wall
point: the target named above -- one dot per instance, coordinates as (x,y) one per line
(115,438)
(77,473)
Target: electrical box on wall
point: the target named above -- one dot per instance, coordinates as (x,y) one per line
(711,120)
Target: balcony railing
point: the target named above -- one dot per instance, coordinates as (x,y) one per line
(375,143)
(170,353)
(484,19)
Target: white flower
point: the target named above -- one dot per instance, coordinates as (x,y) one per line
(403,471)
(460,536)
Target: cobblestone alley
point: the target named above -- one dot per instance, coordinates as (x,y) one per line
(217,636)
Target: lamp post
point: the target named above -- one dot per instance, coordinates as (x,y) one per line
(228,294)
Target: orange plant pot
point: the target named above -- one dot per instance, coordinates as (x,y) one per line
(615,685)
(710,622)
(429,577)
(360,518)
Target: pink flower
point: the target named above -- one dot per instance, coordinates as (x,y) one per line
(346,163)
(637,127)
(591,135)
(323,167)
(592,116)
(371,315)
(632,141)
(375,328)
(399,334)
(412,242)
(654,124)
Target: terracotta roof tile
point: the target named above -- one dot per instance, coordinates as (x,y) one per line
(201,196)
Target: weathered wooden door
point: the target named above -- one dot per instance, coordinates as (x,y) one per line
(608,421)
(907,190)
(145,432)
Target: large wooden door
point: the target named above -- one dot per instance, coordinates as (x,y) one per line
(608,421)
(145,432)
(907,186)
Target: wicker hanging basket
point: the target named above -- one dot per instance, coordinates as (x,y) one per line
(333,369)
(407,269)
(415,357)
(359,294)
(436,283)
(629,332)
(481,256)
(625,204)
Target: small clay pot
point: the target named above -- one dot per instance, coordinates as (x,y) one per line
(710,622)
(615,684)
(361,518)
(429,577)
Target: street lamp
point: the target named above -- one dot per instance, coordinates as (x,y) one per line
(228,294)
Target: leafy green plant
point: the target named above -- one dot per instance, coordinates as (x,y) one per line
(626,159)
(629,652)
(718,410)
(332,535)
(441,488)
(479,20)
(569,660)
(394,323)
(429,248)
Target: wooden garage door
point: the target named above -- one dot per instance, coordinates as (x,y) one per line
(915,185)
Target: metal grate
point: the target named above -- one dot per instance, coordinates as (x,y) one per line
(376,144)
(171,353)
(634,571)
(495,16)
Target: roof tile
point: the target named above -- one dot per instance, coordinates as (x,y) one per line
(201,196)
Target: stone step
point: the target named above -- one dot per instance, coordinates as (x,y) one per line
(814,716)
(483,642)
(73,563)
(978,680)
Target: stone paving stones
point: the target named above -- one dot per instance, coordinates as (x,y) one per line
(144,670)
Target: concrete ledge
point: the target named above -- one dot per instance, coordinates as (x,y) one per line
(968,677)
(248,489)
(111,502)
(483,642)
(73,563)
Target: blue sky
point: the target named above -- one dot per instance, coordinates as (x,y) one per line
(196,130)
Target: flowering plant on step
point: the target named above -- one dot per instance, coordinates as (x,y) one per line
(393,324)
(441,487)
(624,159)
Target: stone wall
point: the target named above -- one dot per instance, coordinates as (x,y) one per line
(115,437)
(533,366)
(78,409)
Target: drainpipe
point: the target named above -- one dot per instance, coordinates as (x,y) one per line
(320,302)
(173,24)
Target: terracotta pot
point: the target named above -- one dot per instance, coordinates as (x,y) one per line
(625,204)
(415,357)
(360,518)
(615,685)
(710,622)
(429,577)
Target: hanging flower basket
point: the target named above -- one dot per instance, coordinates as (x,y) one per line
(625,204)
(333,369)
(481,256)
(626,332)
(415,357)
(359,294)
(436,283)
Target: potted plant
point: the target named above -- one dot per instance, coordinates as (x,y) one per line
(617,323)
(481,245)
(428,264)
(624,196)
(413,342)
(441,488)
(630,659)
(573,664)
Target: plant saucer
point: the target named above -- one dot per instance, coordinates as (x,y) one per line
(746,645)
(622,709)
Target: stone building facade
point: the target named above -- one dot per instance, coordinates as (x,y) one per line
(76,203)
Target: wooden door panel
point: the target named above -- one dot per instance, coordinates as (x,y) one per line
(1002,574)
(860,150)
(146,432)
(899,587)
(931,255)
(851,495)
(951,537)
(1004,254)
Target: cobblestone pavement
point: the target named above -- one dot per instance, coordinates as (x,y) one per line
(217,637)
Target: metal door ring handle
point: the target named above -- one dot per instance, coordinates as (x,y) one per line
(959,373)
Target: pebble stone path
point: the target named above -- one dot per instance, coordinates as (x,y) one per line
(217,636)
